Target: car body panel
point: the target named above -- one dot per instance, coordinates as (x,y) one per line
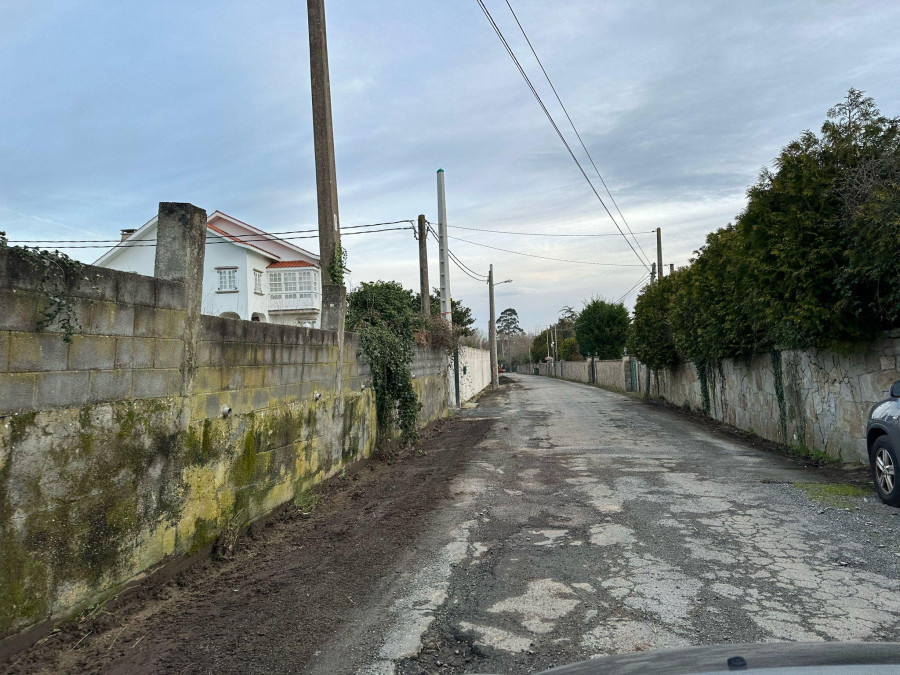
(885,418)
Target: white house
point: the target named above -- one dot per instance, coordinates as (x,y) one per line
(247,273)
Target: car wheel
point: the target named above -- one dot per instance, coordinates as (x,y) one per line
(884,471)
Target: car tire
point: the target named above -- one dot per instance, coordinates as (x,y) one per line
(884,463)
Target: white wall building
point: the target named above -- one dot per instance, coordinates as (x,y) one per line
(247,273)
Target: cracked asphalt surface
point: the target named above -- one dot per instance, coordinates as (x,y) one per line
(552,523)
(588,523)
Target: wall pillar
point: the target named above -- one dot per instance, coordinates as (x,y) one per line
(180,251)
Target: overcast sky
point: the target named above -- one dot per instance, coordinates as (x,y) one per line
(110,107)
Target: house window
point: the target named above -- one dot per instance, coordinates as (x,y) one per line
(293,285)
(227,279)
(257,282)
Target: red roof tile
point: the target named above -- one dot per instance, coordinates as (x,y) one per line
(290,263)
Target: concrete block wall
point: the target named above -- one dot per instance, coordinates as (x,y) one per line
(474,373)
(156,428)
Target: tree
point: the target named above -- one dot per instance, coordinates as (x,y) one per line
(650,338)
(539,345)
(568,350)
(508,322)
(601,329)
(811,262)
(461,315)
(567,315)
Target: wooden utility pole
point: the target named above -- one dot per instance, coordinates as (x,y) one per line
(330,261)
(659,265)
(423,267)
(492,331)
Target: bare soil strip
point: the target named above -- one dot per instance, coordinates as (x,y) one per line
(288,588)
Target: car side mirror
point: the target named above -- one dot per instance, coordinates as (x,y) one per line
(895,389)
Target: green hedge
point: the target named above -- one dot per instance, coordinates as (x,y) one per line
(813,260)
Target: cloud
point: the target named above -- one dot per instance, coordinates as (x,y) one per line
(117,106)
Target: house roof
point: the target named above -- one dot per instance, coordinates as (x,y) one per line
(270,243)
(289,263)
(242,234)
(240,240)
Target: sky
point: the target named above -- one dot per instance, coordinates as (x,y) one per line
(111,107)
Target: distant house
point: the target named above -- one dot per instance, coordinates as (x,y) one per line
(247,273)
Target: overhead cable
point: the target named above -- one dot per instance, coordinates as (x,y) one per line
(225,240)
(572,124)
(554,125)
(459,263)
(633,288)
(249,237)
(545,234)
(543,257)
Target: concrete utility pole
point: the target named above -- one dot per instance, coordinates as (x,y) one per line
(492,331)
(659,265)
(443,250)
(652,273)
(556,351)
(671,269)
(333,292)
(423,267)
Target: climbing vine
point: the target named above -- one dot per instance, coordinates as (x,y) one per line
(337,265)
(389,354)
(57,270)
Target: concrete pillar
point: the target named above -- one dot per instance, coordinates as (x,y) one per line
(334,309)
(180,250)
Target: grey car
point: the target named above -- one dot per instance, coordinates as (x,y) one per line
(883,440)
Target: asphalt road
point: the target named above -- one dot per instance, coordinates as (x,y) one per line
(588,523)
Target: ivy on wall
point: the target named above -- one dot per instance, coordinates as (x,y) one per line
(57,272)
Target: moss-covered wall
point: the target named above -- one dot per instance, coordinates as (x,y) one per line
(115,457)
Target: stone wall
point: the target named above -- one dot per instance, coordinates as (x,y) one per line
(818,399)
(156,429)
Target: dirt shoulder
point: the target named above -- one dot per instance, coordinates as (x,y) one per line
(291,584)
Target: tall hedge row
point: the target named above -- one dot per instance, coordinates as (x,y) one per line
(812,261)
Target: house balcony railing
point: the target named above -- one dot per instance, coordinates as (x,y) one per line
(281,302)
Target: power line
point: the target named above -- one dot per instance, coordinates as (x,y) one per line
(543,257)
(545,234)
(578,135)
(459,263)
(633,288)
(554,125)
(472,273)
(463,269)
(257,237)
(225,240)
